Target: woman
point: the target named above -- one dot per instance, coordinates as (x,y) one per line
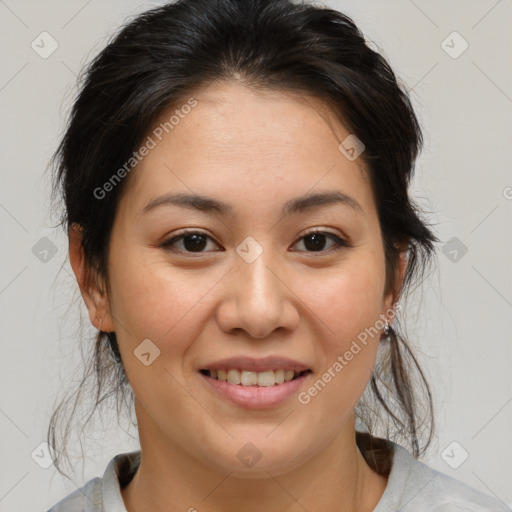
(235,177)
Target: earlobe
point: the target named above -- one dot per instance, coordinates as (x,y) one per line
(96,299)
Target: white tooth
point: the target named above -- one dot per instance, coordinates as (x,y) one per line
(288,375)
(279,376)
(249,378)
(234,376)
(266,378)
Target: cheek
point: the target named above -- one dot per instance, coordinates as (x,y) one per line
(160,306)
(349,298)
(349,304)
(154,301)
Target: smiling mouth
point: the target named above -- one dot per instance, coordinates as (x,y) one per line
(255,379)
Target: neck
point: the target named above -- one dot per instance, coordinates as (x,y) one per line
(170,479)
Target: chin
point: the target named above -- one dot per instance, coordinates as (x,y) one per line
(256,459)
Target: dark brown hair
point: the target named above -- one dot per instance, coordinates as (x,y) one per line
(153,64)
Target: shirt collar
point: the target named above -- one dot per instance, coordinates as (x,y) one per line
(118,473)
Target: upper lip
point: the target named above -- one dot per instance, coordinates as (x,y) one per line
(256,365)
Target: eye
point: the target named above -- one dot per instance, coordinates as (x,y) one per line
(190,241)
(315,241)
(197,241)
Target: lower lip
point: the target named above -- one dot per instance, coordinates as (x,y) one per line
(256,397)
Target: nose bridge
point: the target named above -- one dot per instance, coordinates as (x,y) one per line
(260,287)
(260,301)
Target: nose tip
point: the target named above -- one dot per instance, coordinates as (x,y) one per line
(257,301)
(260,316)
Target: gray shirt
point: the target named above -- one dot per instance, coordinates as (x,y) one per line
(412,487)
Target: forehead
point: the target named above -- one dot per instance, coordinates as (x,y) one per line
(237,139)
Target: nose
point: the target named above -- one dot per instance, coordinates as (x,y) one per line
(258,298)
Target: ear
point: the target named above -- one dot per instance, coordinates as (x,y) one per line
(94,297)
(392,297)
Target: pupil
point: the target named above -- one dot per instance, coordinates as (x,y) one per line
(198,242)
(318,240)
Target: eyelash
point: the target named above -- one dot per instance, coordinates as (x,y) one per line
(340,243)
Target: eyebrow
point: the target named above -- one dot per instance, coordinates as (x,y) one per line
(297,205)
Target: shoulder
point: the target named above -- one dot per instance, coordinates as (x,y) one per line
(413,486)
(102,494)
(83,499)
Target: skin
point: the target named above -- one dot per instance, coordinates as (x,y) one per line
(255,151)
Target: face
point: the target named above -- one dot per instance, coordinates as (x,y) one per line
(265,274)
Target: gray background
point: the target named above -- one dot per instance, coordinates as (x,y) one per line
(460,319)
